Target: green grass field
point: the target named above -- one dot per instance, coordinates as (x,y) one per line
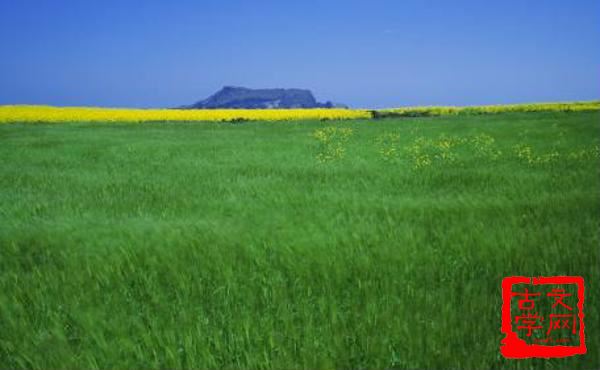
(377,244)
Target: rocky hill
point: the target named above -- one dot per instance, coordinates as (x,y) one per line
(241,97)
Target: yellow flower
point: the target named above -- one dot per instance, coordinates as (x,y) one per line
(24,113)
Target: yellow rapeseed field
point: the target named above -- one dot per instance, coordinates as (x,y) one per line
(490,109)
(37,113)
(27,113)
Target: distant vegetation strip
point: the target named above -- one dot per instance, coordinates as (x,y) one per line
(23,113)
(486,109)
(35,113)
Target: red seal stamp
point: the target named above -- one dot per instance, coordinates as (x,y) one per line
(542,317)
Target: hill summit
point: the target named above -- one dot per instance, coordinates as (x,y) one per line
(245,98)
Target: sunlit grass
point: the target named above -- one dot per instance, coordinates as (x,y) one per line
(221,245)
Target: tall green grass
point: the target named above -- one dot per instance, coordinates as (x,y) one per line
(232,245)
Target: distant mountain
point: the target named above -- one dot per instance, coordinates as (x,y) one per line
(241,97)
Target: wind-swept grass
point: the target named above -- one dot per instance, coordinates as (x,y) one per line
(211,245)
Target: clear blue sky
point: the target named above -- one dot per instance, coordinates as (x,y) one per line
(366,53)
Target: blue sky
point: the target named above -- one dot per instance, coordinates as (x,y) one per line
(367,53)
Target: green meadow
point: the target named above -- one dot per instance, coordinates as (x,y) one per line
(375,243)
